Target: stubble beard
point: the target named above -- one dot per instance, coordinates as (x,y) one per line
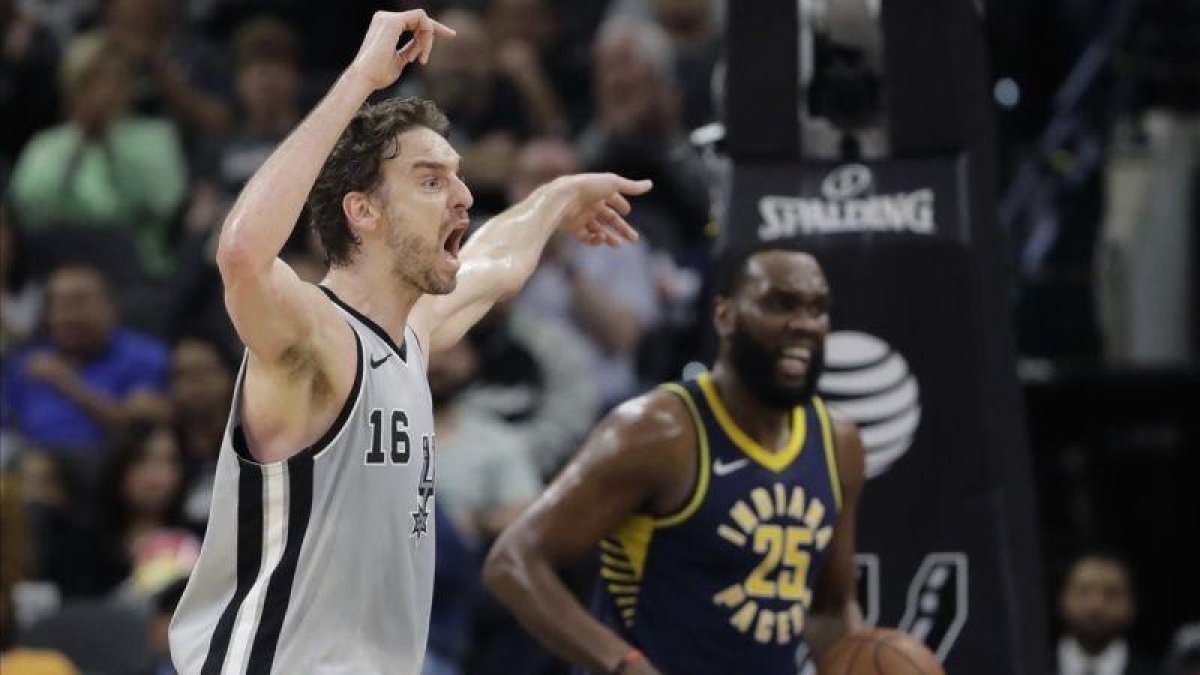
(414,263)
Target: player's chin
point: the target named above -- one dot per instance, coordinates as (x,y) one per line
(442,282)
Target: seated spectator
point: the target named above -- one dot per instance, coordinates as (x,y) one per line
(16,660)
(1097,607)
(267,78)
(103,167)
(141,506)
(637,131)
(607,295)
(201,392)
(1184,655)
(536,375)
(60,540)
(30,59)
(694,28)
(165,602)
(177,73)
(485,477)
(521,56)
(74,388)
(457,593)
(20,296)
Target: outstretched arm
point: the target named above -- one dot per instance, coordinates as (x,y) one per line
(502,255)
(630,460)
(835,611)
(268,303)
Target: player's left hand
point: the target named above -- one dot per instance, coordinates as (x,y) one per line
(597,207)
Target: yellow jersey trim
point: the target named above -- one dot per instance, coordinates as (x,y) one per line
(702,461)
(774,460)
(623,563)
(830,450)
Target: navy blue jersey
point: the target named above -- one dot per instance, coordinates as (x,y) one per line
(724,585)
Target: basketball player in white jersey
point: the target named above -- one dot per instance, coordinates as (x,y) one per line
(319,552)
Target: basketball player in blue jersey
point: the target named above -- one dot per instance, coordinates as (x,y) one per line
(318,557)
(723,507)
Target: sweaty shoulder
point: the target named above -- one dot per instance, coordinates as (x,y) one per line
(654,434)
(658,419)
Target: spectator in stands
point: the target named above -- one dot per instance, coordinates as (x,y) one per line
(485,475)
(15,660)
(267,70)
(1184,655)
(535,375)
(28,60)
(141,508)
(20,296)
(457,593)
(165,602)
(201,393)
(607,295)
(485,479)
(694,28)
(103,167)
(61,541)
(637,131)
(1097,607)
(177,73)
(71,390)
(521,31)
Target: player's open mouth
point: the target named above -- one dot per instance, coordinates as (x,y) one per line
(793,361)
(453,241)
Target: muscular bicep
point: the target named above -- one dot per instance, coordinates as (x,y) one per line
(631,458)
(272,310)
(442,320)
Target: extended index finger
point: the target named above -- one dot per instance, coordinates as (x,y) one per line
(442,29)
(633,187)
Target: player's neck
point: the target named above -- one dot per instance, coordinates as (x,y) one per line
(375,295)
(769,427)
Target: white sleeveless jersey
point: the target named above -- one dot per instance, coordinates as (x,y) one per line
(322,563)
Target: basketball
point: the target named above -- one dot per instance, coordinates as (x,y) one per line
(879,651)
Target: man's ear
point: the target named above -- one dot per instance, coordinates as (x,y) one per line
(360,211)
(723,316)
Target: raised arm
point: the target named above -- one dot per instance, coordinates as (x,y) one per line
(268,303)
(632,459)
(501,256)
(835,611)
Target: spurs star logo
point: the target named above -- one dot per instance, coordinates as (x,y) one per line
(424,491)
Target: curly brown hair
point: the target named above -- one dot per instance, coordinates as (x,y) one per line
(356,165)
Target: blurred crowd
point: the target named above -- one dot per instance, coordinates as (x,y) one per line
(131,126)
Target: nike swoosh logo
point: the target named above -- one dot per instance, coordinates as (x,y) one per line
(376,364)
(724,469)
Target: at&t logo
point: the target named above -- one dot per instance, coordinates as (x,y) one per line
(870,382)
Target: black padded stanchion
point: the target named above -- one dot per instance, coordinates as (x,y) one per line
(922,353)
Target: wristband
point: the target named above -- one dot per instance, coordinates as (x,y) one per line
(631,657)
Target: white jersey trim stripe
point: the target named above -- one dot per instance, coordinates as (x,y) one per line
(275,531)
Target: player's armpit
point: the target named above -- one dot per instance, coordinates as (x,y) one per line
(634,456)
(835,610)
(272,310)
